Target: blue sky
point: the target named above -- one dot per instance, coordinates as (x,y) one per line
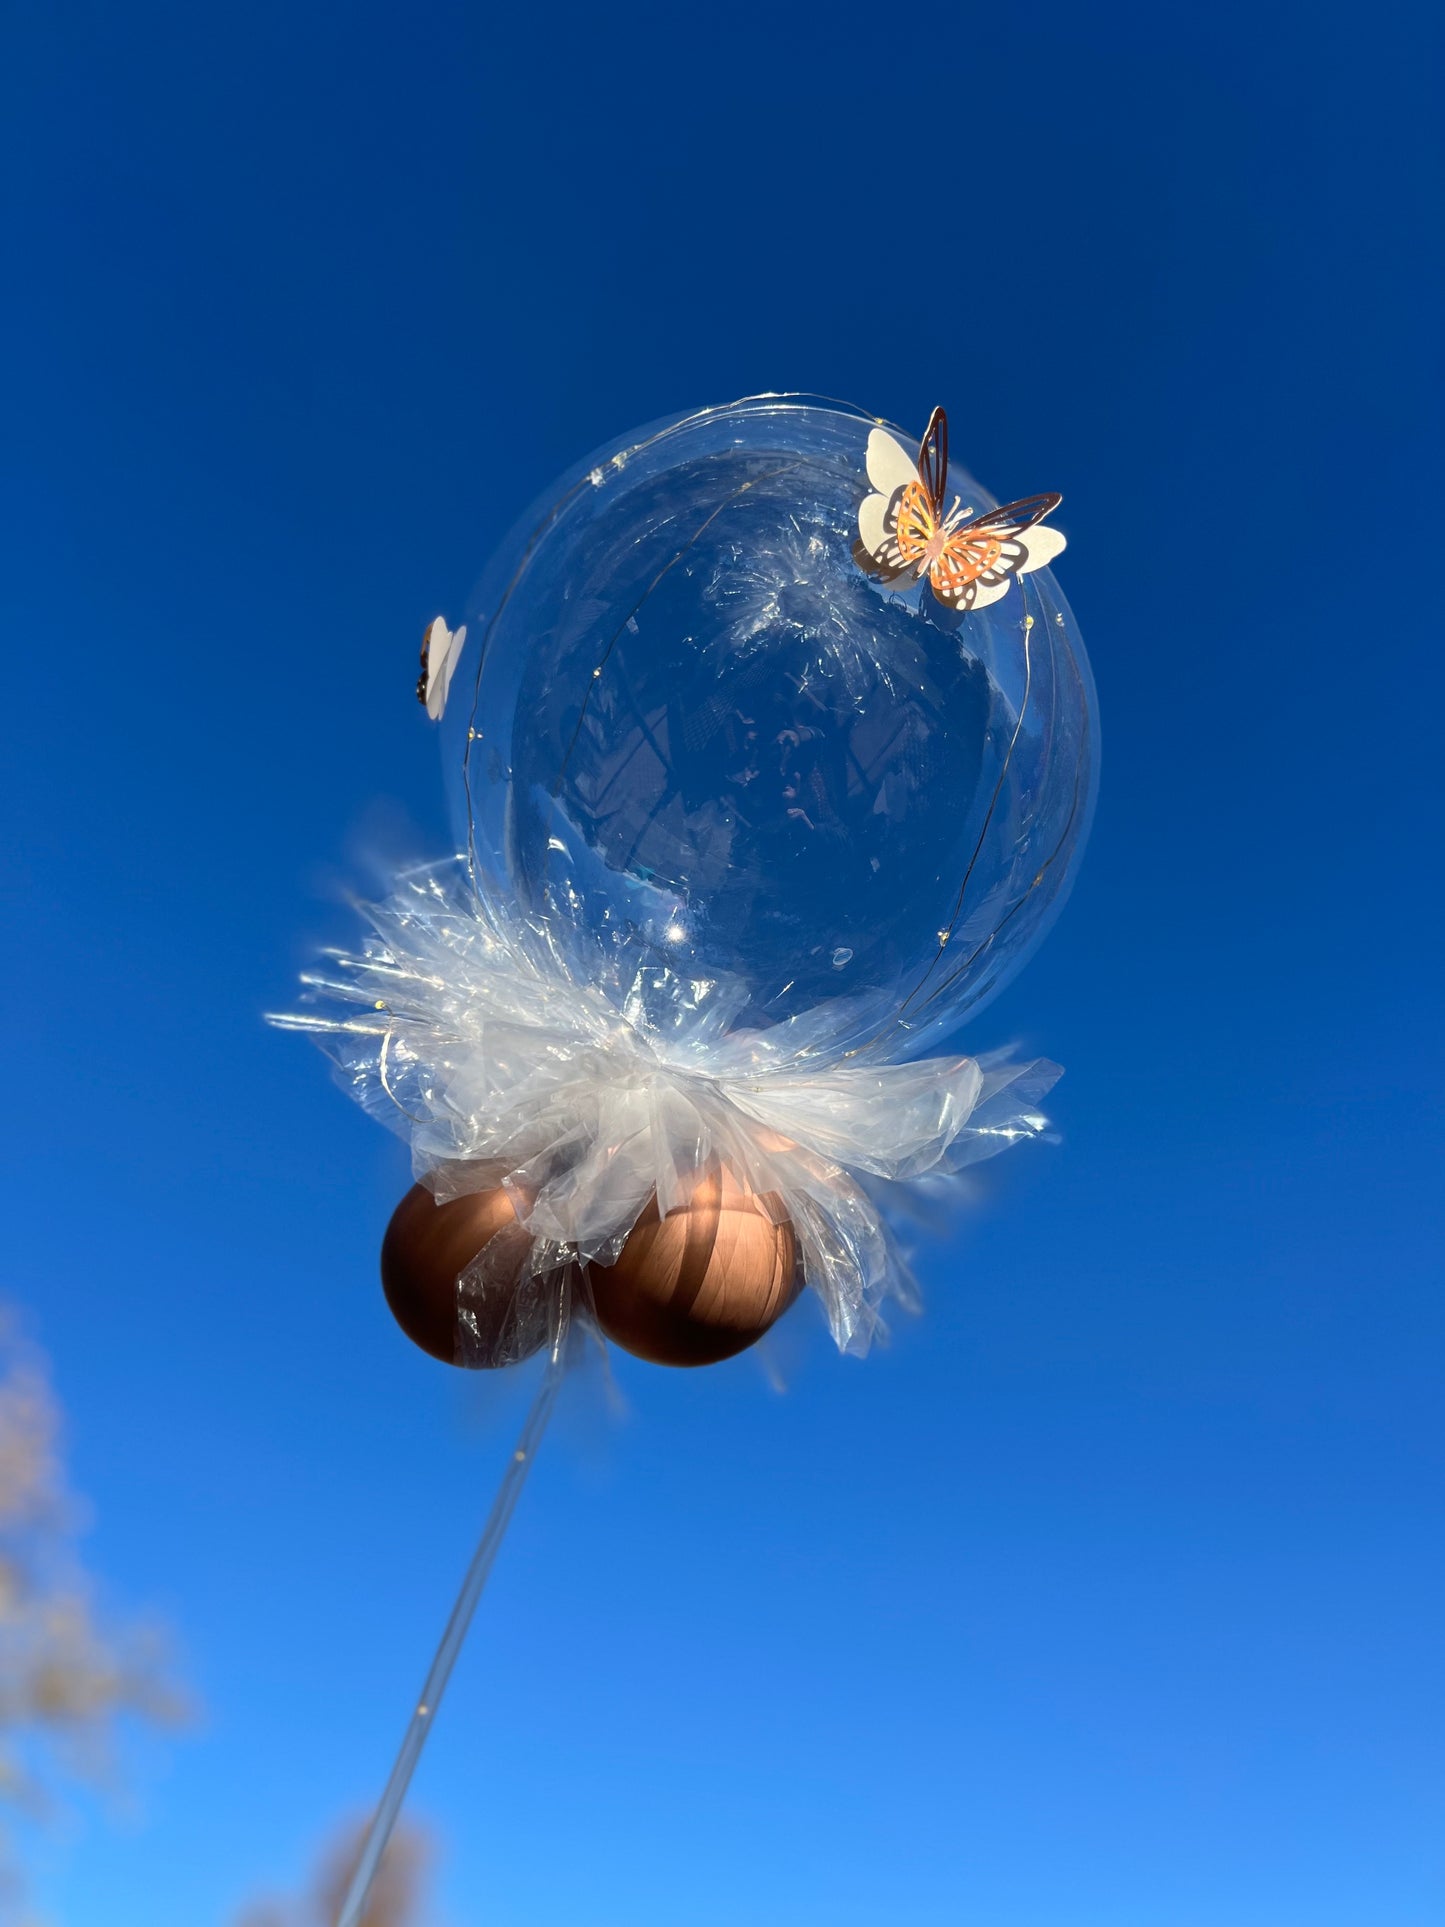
(1110,1595)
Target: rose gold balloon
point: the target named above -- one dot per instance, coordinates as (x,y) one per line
(702,1283)
(426,1249)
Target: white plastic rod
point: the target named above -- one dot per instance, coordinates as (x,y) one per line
(440,1671)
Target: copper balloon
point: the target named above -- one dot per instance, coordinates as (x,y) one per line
(702,1283)
(426,1249)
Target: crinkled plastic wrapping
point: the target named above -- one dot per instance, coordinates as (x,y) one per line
(457,1026)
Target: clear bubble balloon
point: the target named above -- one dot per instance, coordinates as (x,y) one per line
(721,765)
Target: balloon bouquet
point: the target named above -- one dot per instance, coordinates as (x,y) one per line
(772,747)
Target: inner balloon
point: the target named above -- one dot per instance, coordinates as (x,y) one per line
(733,754)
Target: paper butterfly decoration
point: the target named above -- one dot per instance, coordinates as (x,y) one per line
(440,648)
(905,534)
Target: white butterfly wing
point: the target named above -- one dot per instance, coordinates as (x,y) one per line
(890,466)
(890,469)
(986,592)
(1042,544)
(872,519)
(443,647)
(450,660)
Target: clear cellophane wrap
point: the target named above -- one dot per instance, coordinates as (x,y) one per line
(460,1028)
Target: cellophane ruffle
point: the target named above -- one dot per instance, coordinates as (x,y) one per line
(460,1028)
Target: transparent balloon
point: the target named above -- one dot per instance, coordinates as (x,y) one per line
(725,769)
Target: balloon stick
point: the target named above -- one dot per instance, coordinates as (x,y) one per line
(440,1671)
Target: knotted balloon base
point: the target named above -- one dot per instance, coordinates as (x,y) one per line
(689,1287)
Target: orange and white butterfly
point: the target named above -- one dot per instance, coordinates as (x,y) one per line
(440,648)
(905,534)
